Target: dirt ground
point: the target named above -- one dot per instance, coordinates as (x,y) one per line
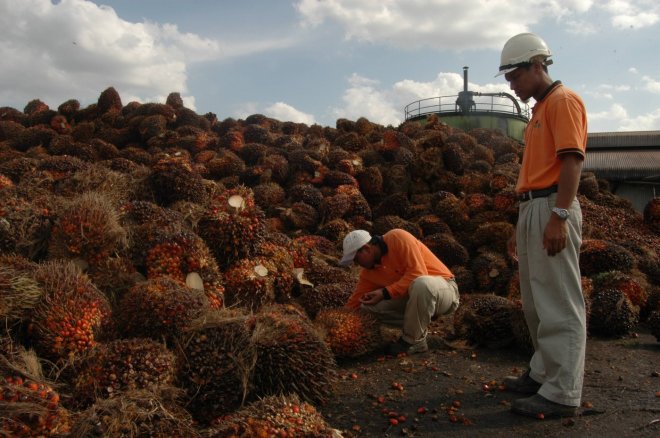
(455,390)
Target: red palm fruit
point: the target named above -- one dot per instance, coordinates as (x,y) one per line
(158,308)
(485,319)
(72,315)
(251,283)
(632,288)
(349,332)
(598,256)
(173,179)
(277,416)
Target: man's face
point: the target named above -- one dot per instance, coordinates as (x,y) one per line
(521,82)
(365,257)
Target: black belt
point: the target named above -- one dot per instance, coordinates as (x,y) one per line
(533,194)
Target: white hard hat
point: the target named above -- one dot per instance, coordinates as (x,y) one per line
(520,49)
(352,243)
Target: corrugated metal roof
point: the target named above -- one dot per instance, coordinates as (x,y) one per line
(619,165)
(630,139)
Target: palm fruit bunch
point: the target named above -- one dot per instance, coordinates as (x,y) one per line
(485,319)
(31,408)
(300,216)
(315,298)
(233,225)
(161,307)
(306,193)
(291,357)
(251,283)
(447,249)
(491,272)
(184,256)
(173,179)
(449,208)
(282,261)
(71,316)
(597,255)
(137,413)
(492,235)
(268,195)
(349,332)
(631,287)
(612,313)
(87,228)
(216,364)
(305,247)
(125,364)
(521,337)
(652,214)
(19,293)
(25,224)
(114,276)
(275,416)
(319,272)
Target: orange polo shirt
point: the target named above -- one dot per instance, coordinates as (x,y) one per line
(558,126)
(406,259)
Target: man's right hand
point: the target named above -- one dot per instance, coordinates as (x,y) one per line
(373,297)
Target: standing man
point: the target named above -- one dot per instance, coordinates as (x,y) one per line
(402,283)
(549,232)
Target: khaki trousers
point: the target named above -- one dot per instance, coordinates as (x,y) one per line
(428,297)
(553,302)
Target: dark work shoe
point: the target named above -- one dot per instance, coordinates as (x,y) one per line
(538,406)
(523,384)
(402,346)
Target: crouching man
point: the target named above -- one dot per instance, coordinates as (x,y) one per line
(402,283)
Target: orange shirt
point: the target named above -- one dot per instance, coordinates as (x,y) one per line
(558,126)
(406,259)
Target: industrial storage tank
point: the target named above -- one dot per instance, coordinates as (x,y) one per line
(470,109)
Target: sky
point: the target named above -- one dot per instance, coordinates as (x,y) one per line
(315,61)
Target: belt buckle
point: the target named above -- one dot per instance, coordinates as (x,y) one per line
(529,195)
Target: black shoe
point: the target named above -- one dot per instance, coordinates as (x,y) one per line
(402,346)
(523,384)
(540,407)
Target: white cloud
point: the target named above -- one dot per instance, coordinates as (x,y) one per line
(617,118)
(633,13)
(76,49)
(441,24)
(645,122)
(651,84)
(286,113)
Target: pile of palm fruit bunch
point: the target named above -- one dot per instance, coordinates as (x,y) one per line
(127,231)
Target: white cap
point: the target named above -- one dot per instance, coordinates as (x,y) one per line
(352,243)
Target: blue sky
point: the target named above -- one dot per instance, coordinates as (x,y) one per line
(314,61)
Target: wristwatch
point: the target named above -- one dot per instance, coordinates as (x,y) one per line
(561,212)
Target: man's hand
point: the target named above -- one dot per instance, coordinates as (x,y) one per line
(373,297)
(555,235)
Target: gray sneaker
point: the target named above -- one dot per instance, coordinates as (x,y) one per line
(538,406)
(402,346)
(523,384)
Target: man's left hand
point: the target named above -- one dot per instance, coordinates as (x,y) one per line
(373,297)
(555,235)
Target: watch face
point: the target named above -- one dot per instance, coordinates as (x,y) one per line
(561,212)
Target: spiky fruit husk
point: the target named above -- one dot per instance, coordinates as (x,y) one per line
(432,224)
(232,231)
(464,279)
(31,408)
(370,180)
(383,224)
(477,202)
(276,416)
(217,361)
(447,249)
(491,272)
(452,211)
(72,315)
(334,230)
(623,282)
(588,185)
(137,413)
(306,193)
(323,296)
(485,319)
(396,204)
(173,179)
(320,271)
(291,357)
(268,195)
(335,207)
(88,228)
(520,330)
(122,365)
(349,332)
(612,313)
(251,283)
(25,225)
(601,256)
(19,293)
(160,308)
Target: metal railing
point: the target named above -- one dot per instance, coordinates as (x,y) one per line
(501,103)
